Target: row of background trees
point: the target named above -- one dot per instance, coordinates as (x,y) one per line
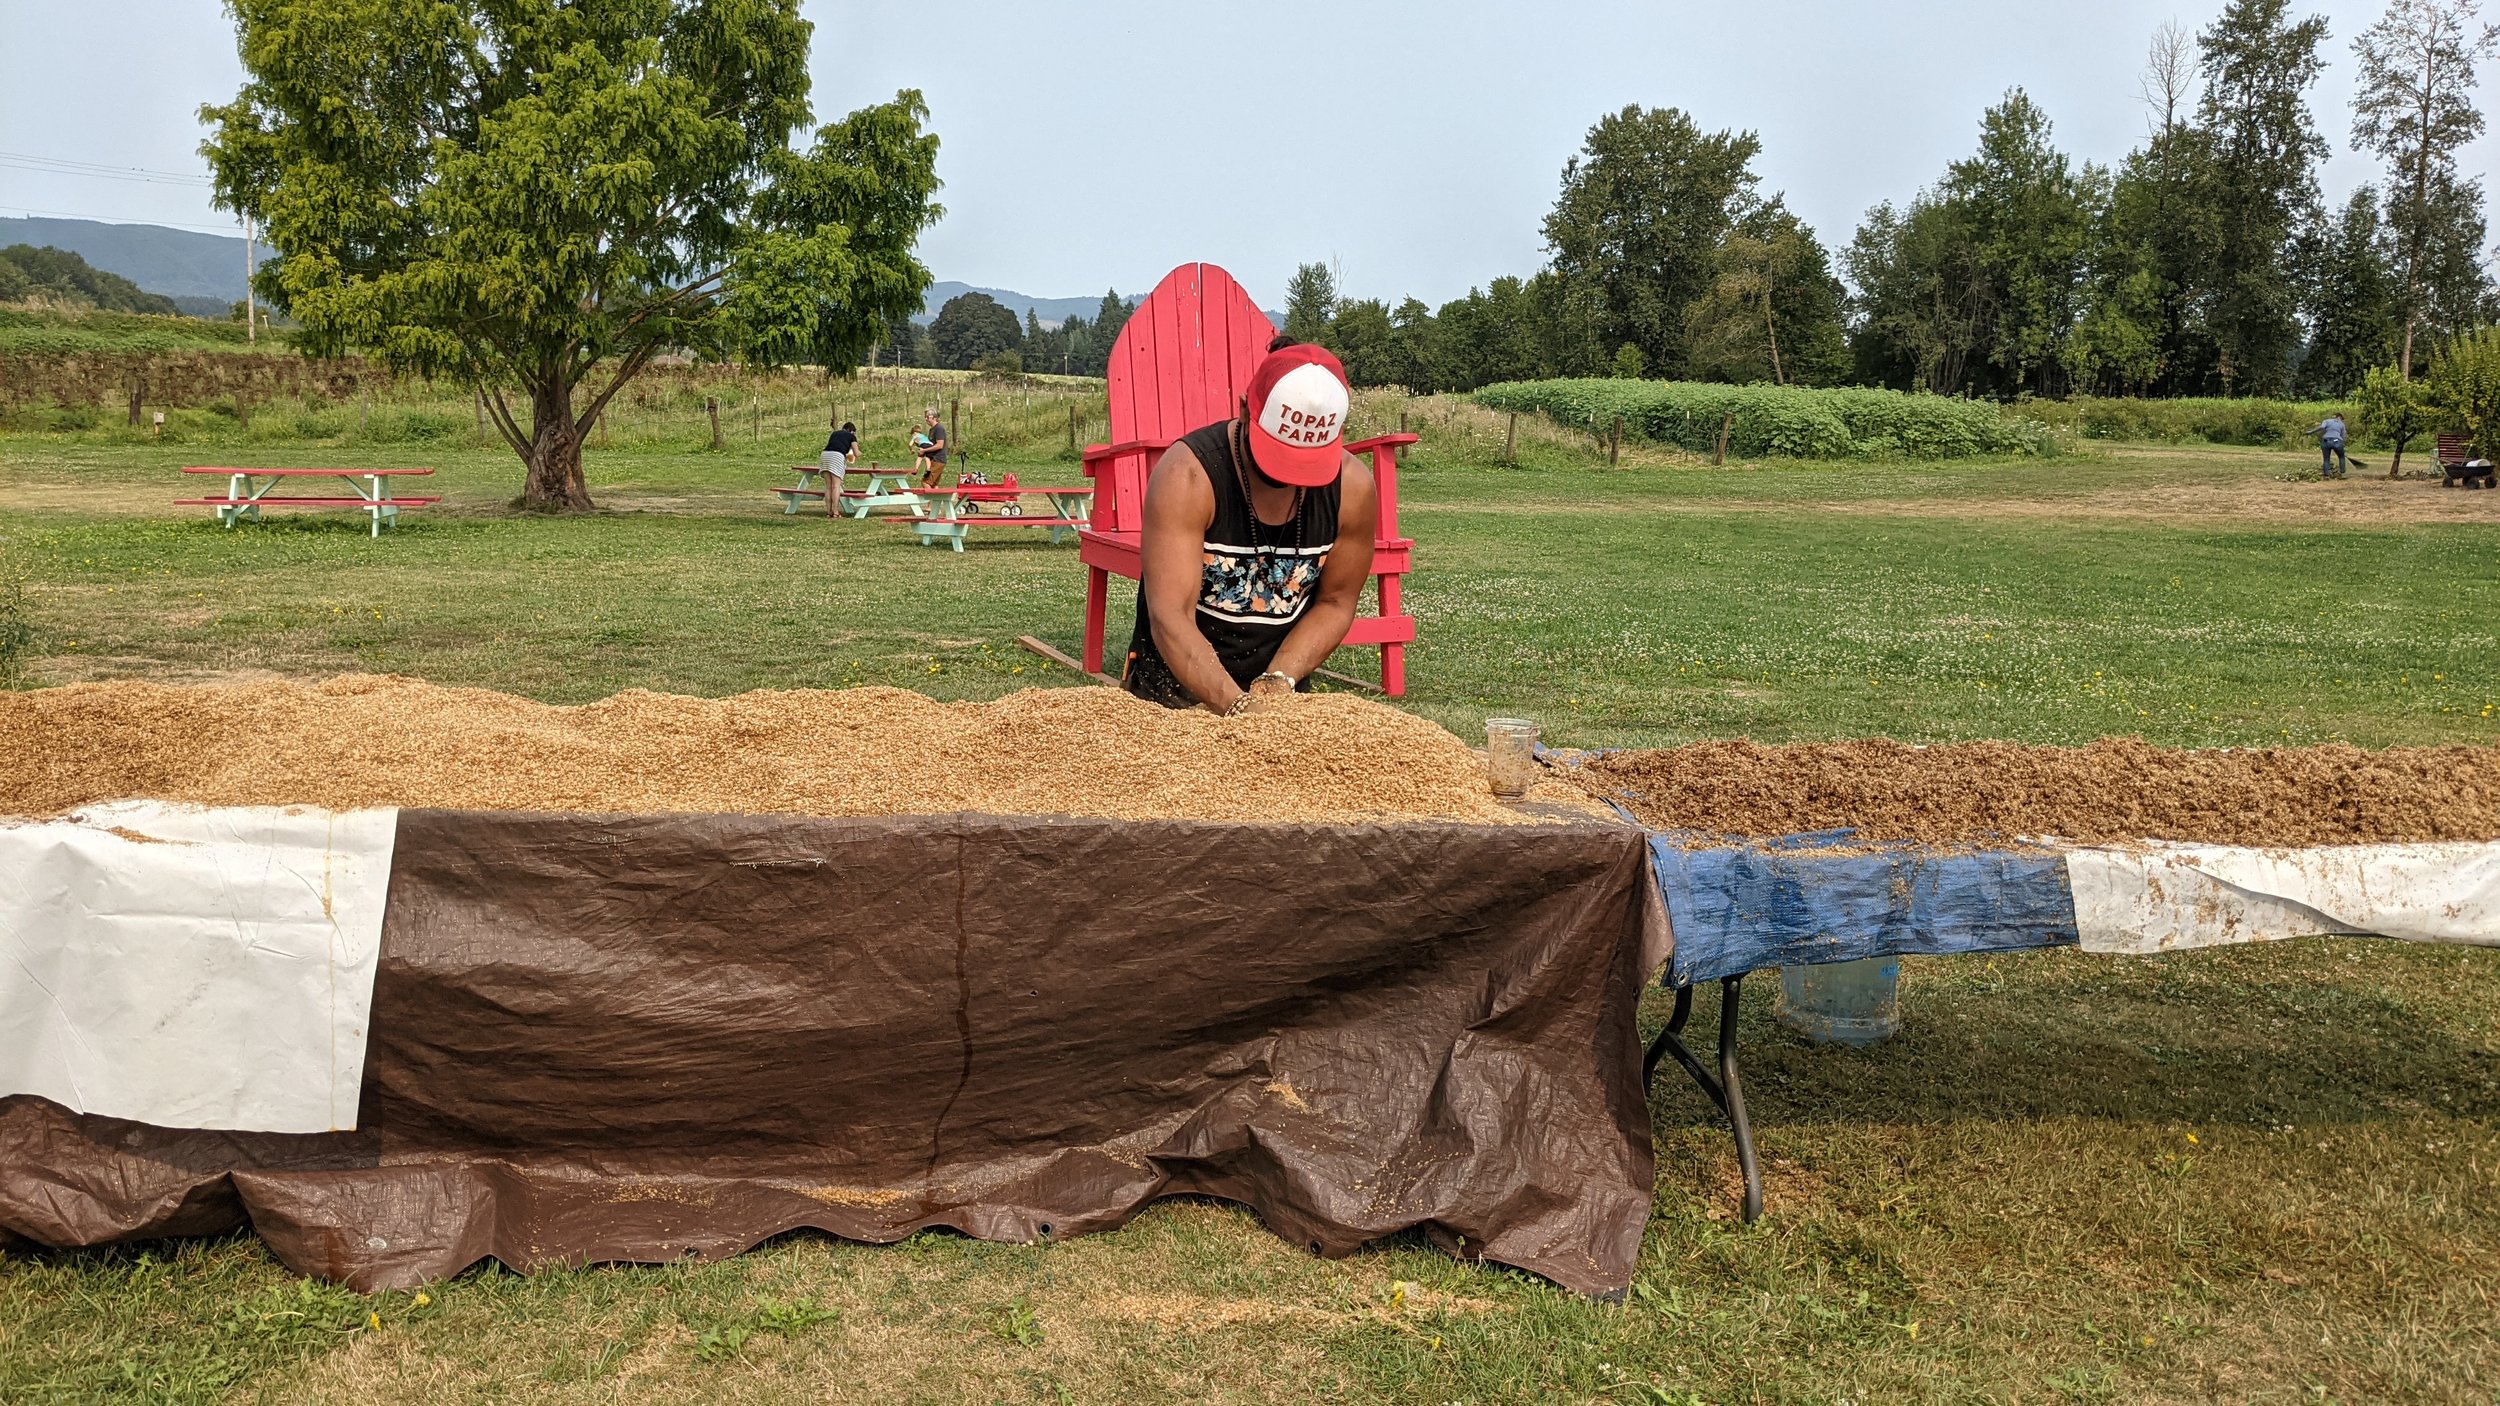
(973,331)
(2204,263)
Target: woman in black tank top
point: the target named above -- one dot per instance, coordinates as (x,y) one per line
(1269,597)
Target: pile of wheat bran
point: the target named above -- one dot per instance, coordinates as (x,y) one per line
(371,740)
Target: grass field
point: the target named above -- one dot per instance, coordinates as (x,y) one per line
(2268,1175)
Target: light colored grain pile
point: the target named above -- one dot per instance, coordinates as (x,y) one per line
(369,740)
(2116,789)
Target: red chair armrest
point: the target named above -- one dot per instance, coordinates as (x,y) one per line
(1383,441)
(1133,446)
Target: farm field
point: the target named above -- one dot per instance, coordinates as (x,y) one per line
(2256,1174)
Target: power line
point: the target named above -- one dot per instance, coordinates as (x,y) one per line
(62,166)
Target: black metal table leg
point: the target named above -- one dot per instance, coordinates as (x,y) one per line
(1734,1102)
(1725,1089)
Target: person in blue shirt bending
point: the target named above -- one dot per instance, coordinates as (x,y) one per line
(2330,435)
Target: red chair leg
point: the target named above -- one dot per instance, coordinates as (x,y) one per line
(1097,596)
(1392,656)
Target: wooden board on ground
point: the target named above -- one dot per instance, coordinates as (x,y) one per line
(1055,657)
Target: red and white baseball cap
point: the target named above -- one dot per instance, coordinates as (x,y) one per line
(1298,402)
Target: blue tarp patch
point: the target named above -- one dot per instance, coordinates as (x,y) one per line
(1790,901)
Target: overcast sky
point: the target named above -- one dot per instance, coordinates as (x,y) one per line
(1418,146)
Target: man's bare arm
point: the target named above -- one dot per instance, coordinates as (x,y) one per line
(1180,504)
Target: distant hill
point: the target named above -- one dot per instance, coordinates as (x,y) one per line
(179,263)
(203,273)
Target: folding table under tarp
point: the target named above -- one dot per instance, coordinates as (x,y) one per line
(1804,900)
(564,1039)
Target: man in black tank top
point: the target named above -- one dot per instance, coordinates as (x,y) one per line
(1248,582)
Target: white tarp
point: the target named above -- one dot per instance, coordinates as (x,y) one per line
(193,968)
(2168,896)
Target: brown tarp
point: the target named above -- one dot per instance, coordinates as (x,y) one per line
(641,1037)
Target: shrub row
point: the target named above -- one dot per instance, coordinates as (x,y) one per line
(2265,423)
(164,379)
(55,331)
(1786,421)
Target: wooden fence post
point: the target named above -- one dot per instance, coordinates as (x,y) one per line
(1614,444)
(242,409)
(1726,423)
(1071,429)
(711,407)
(1510,441)
(138,389)
(954,432)
(481,414)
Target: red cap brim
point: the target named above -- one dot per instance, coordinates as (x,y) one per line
(1301,465)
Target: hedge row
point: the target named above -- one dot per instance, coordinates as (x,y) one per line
(2266,423)
(1786,421)
(51,331)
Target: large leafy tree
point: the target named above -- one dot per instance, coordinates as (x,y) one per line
(544,195)
(1411,342)
(2258,64)
(1923,300)
(2028,216)
(2415,108)
(1637,228)
(2464,384)
(1489,335)
(1109,318)
(1775,312)
(2351,298)
(1364,340)
(1310,301)
(2143,325)
(971,326)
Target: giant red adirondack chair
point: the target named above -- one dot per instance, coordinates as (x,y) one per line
(1183,360)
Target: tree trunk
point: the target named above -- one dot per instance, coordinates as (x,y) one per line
(2413,237)
(554,456)
(1773,333)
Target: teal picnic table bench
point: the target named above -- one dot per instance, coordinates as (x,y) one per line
(947,514)
(250,490)
(825,482)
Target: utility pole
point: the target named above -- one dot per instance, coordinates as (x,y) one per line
(250,268)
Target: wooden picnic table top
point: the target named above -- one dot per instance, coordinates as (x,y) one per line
(306,473)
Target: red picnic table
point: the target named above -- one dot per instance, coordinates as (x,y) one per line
(248,491)
(945,514)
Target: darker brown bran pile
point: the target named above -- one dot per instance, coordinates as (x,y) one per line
(2113,790)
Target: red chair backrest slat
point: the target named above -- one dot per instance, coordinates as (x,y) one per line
(1182,361)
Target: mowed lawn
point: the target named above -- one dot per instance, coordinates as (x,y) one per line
(2268,1175)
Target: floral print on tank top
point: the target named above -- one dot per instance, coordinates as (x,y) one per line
(1263,585)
